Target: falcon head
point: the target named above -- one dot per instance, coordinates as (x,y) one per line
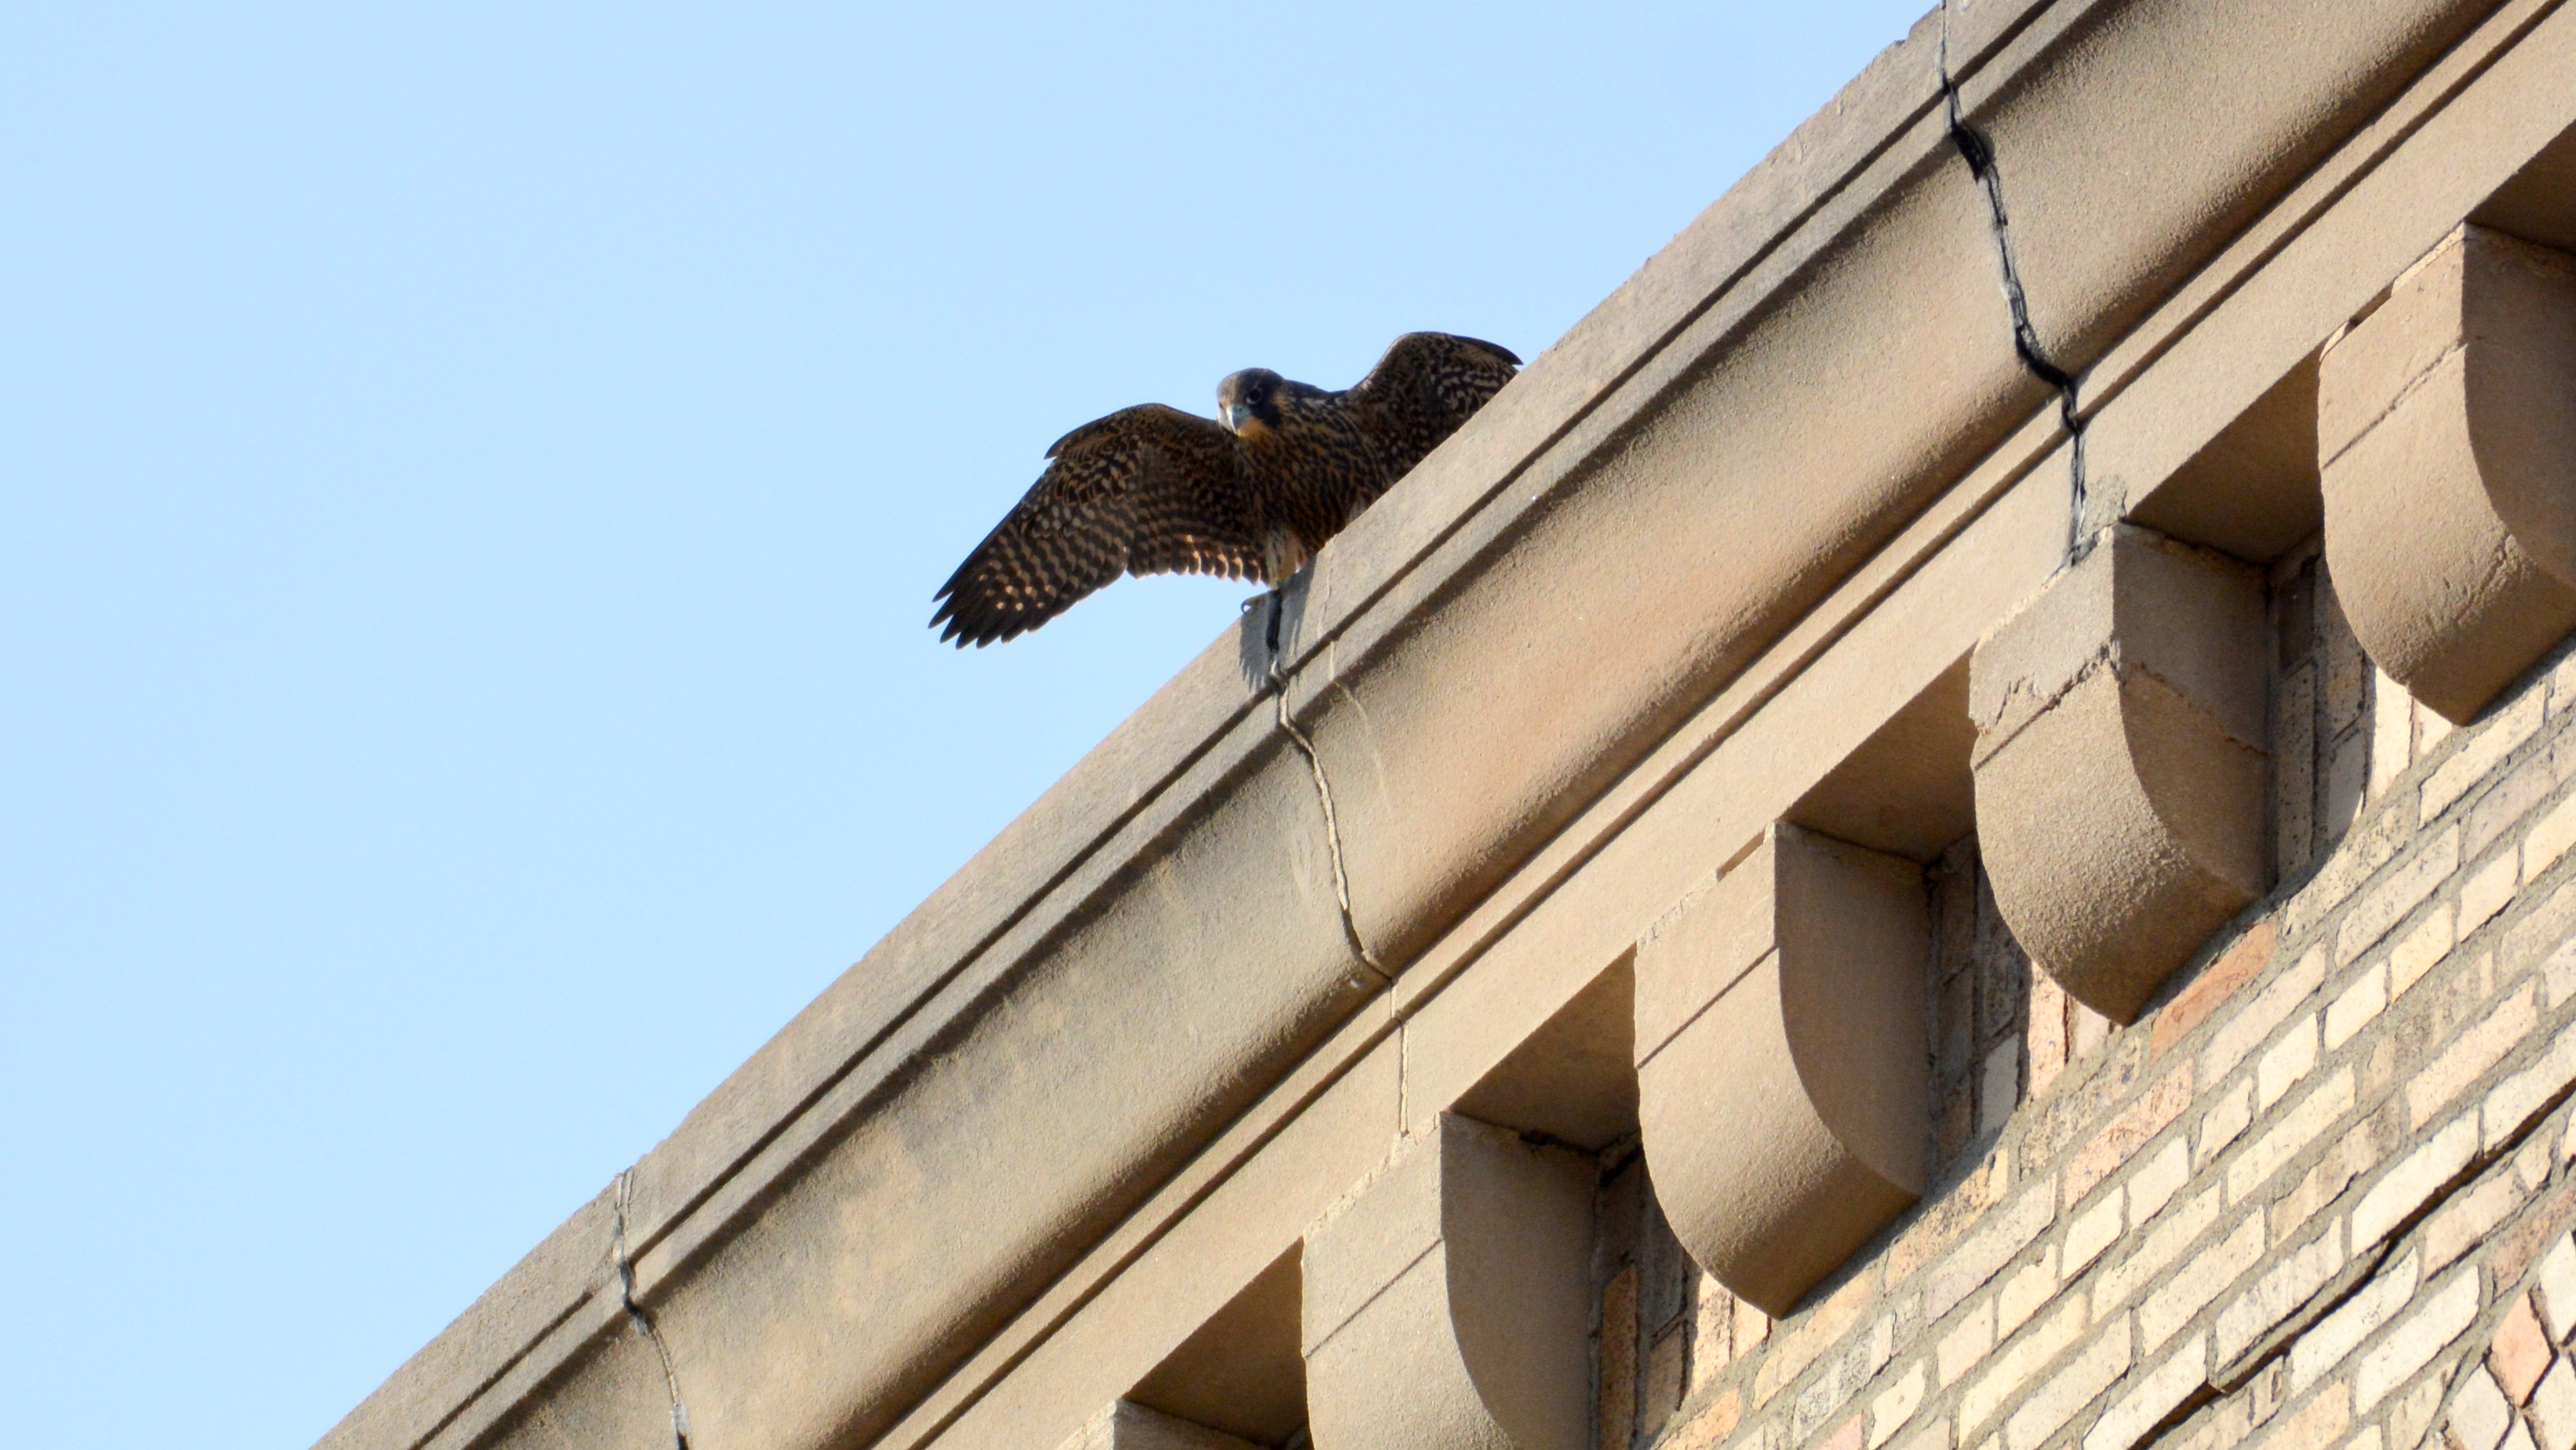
(1248,401)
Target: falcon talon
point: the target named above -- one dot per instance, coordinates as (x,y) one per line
(1251,494)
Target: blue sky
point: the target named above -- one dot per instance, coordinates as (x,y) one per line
(471,484)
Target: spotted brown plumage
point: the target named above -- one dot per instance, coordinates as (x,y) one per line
(1154,490)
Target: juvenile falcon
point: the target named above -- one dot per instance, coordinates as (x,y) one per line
(1154,490)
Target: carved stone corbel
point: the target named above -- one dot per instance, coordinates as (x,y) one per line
(2446,427)
(2121,763)
(1781,1075)
(1448,1301)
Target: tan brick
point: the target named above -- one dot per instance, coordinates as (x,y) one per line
(1665,1381)
(1934,1436)
(2558,976)
(2392,732)
(2319,1423)
(1618,1362)
(2046,1032)
(2502,806)
(1814,1332)
(2148,1261)
(2024,1291)
(1713,1423)
(2519,1353)
(2498,736)
(2090,1028)
(2237,1037)
(2153,1397)
(1712,1346)
(2065,1394)
(2405,1188)
(2371,844)
(1999,1088)
(2290,1136)
(1963,1348)
(2227,1116)
(1878,1347)
(2295,1208)
(2488,890)
(2360,1004)
(2479,1413)
(2202,1280)
(2193,1004)
(2285,1062)
(1752,1327)
(2548,839)
(2519,1436)
(2430,731)
(2419,950)
(2553,1408)
(2542,930)
(2470,1055)
(2317,1353)
(2398,894)
(2514,1102)
(2284,1285)
(2562,685)
(2468,1216)
(2089,1233)
(2558,1289)
(1896,1404)
(1942,1222)
(2105,1150)
(1845,1436)
(2154,1185)
(2444,1314)
(1975,1261)
(2012,1366)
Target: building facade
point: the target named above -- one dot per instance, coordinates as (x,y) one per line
(1947,828)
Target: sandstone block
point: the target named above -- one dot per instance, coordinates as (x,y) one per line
(1781,1061)
(2449,463)
(1449,1303)
(2121,764)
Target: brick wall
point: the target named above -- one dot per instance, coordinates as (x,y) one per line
(2317,1196)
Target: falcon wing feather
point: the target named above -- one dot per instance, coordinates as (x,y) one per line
(1146,490)
(1426,385)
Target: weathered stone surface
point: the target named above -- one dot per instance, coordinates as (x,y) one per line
(2450,468)
(2120,763)
(1780,1061)
(1447,1304)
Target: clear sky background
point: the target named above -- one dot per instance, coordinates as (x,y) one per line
(471,484)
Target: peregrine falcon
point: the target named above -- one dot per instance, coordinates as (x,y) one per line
(1154,490)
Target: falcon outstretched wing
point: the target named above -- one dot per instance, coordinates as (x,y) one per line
(1146,490)
(1427,384)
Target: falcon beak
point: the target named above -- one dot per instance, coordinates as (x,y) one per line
(1235,414)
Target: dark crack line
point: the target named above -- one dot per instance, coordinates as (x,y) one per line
(642,1321)
(1332,823)
(1978,151)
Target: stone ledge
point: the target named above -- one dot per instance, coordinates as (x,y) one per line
(1158,788)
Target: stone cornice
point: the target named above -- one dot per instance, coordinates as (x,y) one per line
(1794,461)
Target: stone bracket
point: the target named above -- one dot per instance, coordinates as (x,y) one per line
(1448,1302)
(1781,1061)
(2446,428)
(2121,763)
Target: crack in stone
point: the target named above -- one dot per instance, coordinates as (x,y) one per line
(1332,823)
(1978,151)
(642,1321)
